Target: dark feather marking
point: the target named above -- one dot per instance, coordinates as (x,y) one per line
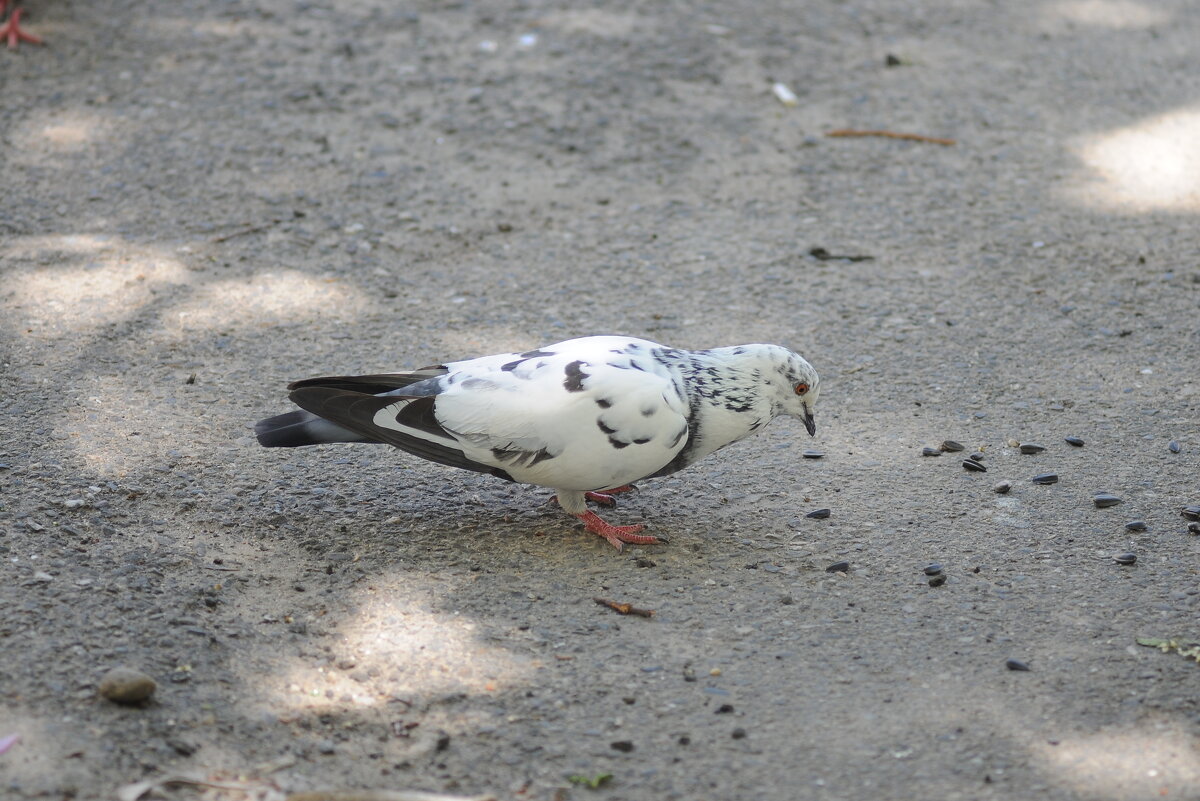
(533,354)
(419,414)
(508,368)
(616,443)
(371,384)
(650,410)
(641,440)
(521,458)
(603,403)
(575,376)
(605,428)
(675,440)
(636,366)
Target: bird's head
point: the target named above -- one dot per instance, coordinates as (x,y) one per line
(798,388)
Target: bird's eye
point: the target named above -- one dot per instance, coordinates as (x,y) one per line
(801,388)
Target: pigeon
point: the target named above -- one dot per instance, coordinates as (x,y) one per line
(12,31)
(587,417)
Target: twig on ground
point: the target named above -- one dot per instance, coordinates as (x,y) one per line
(624,609)
(847,132)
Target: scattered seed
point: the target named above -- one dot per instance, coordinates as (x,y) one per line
(1015,664)
(933,569)
(937,581)
(724,709)
(1135,525)
(976,457)
(1191,512)
(1046,478)
(1076,441)
(1029,447)
(838,567)
(1103,500)
(973,466)
(738,733)
(950,446)
(1125,558)
(1174,447)
(1194,528)
(1002,488)
(813,454)
(624,746)
(819,514)
(930,452)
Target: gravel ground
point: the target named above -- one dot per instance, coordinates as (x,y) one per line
(205,199)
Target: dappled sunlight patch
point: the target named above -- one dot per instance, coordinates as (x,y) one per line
(1113,14)
(1148,761)
(46,133)
(266,299)
(1153,165)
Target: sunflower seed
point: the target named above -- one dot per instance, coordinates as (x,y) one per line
(1046,478)
(973,466)
(933,569)
(1135,525)
(976,457)
(1194,528)
(819,514)
(1125,558)
(813,454)
(1103,500)
(1076,441)
(1191,512)
(838,567)
(1174,447)
(1029,447)
(930,452)
(1015,664)
(950,446)
(1002,488)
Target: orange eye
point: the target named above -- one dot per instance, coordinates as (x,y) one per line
(801,388)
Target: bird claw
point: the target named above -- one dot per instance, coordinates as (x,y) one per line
(606,498)
(617,536)
(11,30)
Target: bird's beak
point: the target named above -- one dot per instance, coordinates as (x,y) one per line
(810,423)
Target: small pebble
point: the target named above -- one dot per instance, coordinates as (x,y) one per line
(326,747)
(1002,487)
(1135,525)
(973,466)
(1174,447)
(1015,664)
(1076,441)
(813,454)
(930,452)
(624,746)
(1103,500)
(1029,447)
(125,685)
(1125,558)
(819,514)
(1194,528)
(937,581)
(838,567)
(976,457)
(933,569)
(1190,512)
(950,446)
(738,733)
(1046,478)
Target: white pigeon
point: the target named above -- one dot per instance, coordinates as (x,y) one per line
(586,417)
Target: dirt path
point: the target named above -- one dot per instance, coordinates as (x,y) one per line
(203,200)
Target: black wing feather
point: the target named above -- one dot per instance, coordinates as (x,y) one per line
(372,384)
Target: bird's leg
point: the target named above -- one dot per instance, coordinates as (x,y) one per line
(11,30)
(606,498)
(616,535)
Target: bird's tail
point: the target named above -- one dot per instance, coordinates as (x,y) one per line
(298,428)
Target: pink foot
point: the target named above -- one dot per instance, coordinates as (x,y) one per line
(11,31)
(616,535)
(606,498)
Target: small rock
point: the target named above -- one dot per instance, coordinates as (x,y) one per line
(725,709)
(1135,525)
(1103,500)
(738,733)
(972,466)
(326,747)
(1015,664)
(950,446)
(1002,487)
(813,454)
(937,581)
(1194,528)
(1173,446)
(819,514)
(1029,447)
(124,685)
(1125,558)
(838,567)
(1076,441)
(892,60)
(933,569)
(624,746)
(1045,478)
(930,452)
